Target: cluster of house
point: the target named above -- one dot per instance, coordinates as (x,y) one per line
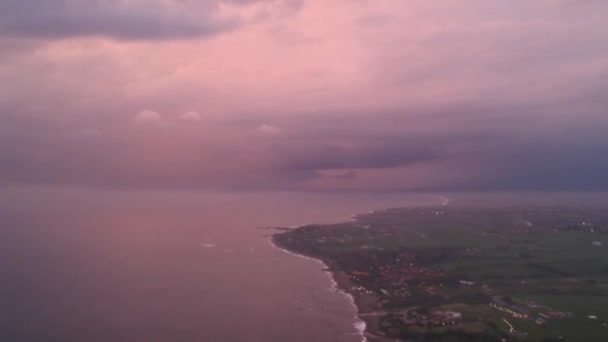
(515,310)
(436,318)
(393,280)
(407,272)
(544,316)
(555,314)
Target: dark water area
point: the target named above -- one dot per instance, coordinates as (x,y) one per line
(84,265)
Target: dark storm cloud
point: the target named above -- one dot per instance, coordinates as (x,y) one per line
(513,146)
(127,20)
(532,156)
(364,155)
(347,175)
(51,152)
(557,166)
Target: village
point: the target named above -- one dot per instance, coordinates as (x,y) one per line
(495,274)
(397,285)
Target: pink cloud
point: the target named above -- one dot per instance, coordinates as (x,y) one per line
(358,85)
(269,129)
(191,116)
(147,117)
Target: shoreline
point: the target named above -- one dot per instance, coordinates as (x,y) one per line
(366,326)
(360,324)
(341,284)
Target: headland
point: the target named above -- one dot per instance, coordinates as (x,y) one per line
(450,273)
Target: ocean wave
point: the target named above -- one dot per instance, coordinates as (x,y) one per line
(444,200)
(361,326)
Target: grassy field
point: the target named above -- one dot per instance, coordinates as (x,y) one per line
(579,329)
(556,262)
(581,306)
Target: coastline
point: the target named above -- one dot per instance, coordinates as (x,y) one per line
(367,320)
(340,283)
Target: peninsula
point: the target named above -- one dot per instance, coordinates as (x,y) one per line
(469,274)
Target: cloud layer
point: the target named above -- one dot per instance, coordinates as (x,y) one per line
(310,94)
(124,19)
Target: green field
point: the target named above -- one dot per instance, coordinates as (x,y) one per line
(551,261)
(580,306)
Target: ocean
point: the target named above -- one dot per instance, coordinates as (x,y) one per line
(101,265)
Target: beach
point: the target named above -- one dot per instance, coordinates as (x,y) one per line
(367,324)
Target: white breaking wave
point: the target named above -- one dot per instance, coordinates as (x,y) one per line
(361,326)
(444,200)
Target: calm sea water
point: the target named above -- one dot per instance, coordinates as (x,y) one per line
(84,265)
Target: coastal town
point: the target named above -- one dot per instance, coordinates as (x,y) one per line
(469,274)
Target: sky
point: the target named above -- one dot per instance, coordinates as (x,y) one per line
(305,94)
